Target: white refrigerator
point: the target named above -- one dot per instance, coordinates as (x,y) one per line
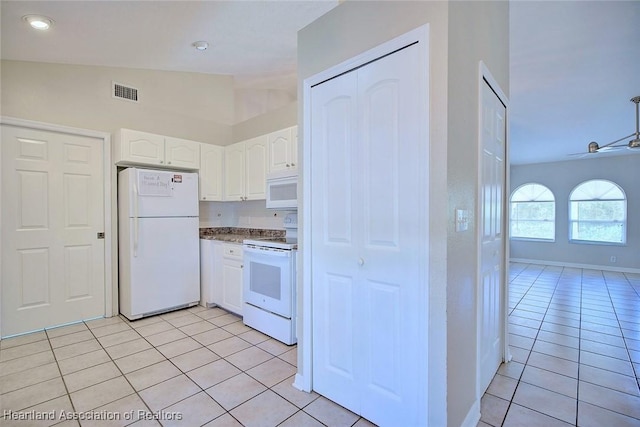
(159,253)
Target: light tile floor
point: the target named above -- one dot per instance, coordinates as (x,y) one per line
(202,365)
(575,341)
(574,335)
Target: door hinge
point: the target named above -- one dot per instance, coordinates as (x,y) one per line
(101,235)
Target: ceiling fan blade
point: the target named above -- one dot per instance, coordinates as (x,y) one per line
(610,148)
(612,143)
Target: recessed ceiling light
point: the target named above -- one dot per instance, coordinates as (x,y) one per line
(38,22)
(201,45)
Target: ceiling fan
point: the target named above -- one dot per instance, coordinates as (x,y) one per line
(593,146)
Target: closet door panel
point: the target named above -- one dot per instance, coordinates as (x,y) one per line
(369,160)
(389,124)
(334,250)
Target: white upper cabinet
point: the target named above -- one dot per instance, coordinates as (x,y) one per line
(283,149)
(234,171)
(182,153)
(142,148)
(255,168)
(246,170)
(211,172)
(139,148)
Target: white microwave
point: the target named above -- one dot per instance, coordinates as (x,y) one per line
(282,191)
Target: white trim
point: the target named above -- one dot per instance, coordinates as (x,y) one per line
(485,75)
(576,265)
(473,416)
(433,370)
(111,287)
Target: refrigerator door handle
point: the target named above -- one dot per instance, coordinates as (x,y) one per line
(135,217)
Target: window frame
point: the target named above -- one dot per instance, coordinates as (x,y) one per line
(571,221)
(553,221)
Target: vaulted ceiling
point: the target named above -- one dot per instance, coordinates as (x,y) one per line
(574,64)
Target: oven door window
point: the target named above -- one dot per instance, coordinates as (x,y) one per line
(268,282)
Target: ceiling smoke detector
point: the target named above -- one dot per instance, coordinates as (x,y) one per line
(201,45)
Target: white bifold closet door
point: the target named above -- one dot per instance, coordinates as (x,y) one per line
(369,198)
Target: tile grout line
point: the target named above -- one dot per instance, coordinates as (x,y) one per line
(121,373)
(274,354)
(534,341)
(579,348)
(624,340)
(220,358)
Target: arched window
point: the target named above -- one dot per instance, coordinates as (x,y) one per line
(598,213)
(533,213)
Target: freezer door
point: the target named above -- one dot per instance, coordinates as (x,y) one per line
(162,270)
(158,193)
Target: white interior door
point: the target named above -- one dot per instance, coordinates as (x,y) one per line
(52,209)
(366,267)
(491,284)
(335,240)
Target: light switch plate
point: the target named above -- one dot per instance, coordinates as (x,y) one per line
(462,220)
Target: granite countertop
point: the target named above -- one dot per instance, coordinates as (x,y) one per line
(236,234)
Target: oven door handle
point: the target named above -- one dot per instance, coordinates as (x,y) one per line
(268,252)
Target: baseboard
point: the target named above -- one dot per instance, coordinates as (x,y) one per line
(576,265)
(301,383)
(473,416)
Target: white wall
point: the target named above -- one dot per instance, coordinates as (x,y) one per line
(561,178)
(279,118)
(186,105)
(461,34)
(249,214)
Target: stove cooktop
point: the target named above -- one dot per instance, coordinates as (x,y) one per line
(289,243)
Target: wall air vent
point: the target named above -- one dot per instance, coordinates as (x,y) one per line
(127,93)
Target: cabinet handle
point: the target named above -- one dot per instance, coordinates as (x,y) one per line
(288,165)
(204,198)
(161,161)
(241,265)
(293,164)
(169,162)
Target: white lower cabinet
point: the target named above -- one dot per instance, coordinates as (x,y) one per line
(221,275)
(226,283)
(207,269)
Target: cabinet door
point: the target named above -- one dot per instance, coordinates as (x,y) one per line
(234,172)
(218,274)
(232,278)
(293,158)
(211,160)
(141,148)
(256,168)
(280,150)
(207,271)
(182,153)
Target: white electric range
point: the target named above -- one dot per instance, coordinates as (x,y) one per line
(270,283)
